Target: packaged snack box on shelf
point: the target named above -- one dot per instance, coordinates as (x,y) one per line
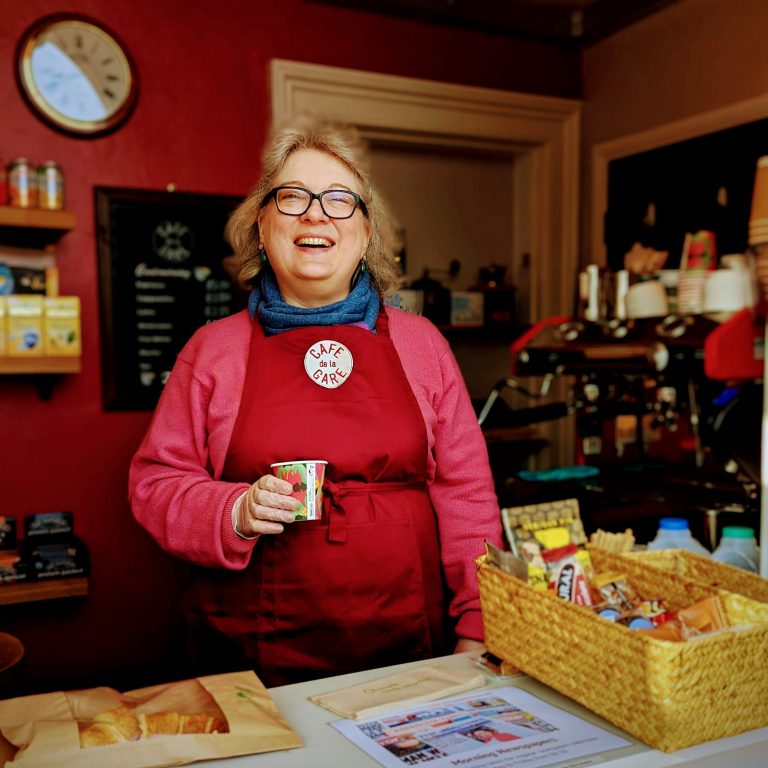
(58,560)
(13,568)
(668,694)
(50,550)
(61,327)
(48,526)
(24,323)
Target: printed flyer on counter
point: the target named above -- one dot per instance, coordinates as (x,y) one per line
(500,727)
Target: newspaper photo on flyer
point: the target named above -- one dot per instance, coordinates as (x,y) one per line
(490,729)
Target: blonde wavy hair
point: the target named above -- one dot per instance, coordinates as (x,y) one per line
(308,131)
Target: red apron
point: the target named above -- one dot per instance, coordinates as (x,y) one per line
(362,587)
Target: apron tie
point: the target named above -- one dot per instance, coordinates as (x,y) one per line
(334,511)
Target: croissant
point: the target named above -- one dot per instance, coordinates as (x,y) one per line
(160,723)
(124,720)
(118,725)
(99,734)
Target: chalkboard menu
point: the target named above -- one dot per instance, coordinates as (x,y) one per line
(162,277)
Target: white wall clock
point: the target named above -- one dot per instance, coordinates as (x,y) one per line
(76,75)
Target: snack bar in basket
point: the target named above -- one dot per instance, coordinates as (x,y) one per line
(553,527)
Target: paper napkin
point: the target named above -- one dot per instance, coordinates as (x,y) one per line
(426,683)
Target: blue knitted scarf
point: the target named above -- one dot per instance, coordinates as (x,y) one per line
(361,307)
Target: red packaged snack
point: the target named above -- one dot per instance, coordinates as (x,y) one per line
(566,575)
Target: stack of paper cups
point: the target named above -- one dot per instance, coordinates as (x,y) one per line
(758,218)
(690,291)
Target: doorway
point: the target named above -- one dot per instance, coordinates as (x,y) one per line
(533,140)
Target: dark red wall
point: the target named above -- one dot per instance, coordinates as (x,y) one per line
(199,123)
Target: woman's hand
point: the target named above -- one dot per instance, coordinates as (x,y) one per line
(465,645)
(265,506)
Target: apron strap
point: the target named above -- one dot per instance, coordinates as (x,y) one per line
(334,493)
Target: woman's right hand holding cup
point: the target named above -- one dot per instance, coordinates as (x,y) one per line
(265,507)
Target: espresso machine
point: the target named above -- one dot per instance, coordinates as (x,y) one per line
(662,407)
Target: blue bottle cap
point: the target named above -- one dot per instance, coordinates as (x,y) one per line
(640,622)
(673,524)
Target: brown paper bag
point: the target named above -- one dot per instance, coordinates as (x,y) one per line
(46,729)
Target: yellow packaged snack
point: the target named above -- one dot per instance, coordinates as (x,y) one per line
(62,326)
(553,538)
(24,322)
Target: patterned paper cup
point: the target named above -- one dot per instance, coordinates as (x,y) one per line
(306,476)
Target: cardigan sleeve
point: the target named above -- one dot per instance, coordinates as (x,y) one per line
(174,485)
(461,487)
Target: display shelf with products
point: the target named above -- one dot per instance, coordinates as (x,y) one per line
(22,230)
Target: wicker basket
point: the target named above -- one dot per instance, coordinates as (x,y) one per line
(669,695)
(699,568)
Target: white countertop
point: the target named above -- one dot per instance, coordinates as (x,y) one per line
(324,747)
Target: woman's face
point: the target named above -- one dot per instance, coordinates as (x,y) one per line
(313,256)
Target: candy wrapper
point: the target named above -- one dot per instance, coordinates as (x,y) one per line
(566,575)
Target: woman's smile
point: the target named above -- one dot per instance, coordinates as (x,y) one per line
(308,241)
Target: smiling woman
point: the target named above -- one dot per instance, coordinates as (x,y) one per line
(313,241)
(387,574)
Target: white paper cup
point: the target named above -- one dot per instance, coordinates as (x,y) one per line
(647,299)
(690,291)
(725,291)
(306,476)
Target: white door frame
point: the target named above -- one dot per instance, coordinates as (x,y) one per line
(407,111)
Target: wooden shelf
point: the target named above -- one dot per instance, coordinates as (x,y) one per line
(39,364)
(36,218)
(33,227)
(32,591)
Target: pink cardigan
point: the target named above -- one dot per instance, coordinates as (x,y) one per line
(175,488)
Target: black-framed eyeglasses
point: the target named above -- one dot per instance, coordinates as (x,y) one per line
(336,203)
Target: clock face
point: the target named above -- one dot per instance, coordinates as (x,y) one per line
(76,75)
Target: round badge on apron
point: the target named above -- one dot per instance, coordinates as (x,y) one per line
(328,363)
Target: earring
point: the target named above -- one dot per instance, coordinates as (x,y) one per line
(262,253)
(359,270)
(363,265)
